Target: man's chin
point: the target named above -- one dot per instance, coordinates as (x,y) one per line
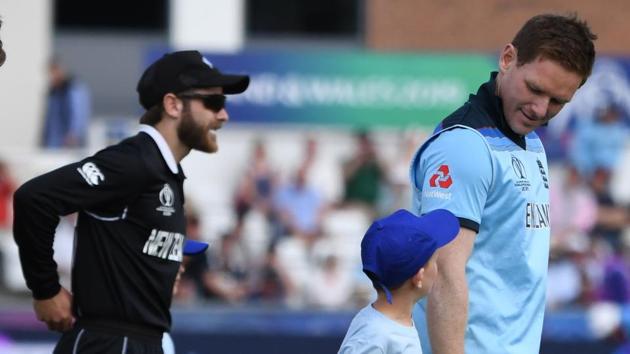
(209,149)
(209,145)
(521,128)
(212,143)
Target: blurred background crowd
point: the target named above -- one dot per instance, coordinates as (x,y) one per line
(299,178)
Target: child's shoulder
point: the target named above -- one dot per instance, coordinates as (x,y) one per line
(364,335)
(372,332)
(370,324)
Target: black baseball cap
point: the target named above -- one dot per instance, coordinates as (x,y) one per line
(179,71)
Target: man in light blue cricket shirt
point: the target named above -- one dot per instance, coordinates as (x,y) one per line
(486,165)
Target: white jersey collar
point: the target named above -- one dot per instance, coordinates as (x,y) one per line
(167,154)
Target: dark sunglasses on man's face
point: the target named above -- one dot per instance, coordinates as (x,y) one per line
(214,102)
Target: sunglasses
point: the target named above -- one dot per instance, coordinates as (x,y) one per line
(213,102)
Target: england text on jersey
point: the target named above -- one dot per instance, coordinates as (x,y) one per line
(537,216)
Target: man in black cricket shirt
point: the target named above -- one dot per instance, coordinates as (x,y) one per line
(130,230)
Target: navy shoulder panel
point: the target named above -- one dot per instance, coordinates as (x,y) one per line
(468,115)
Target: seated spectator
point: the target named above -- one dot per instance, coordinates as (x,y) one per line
(573,211)
(615,285)
(324,172)
(363,175)
(274,285)
(201,280)
(256,188)
(611,217)
(573,215)
(598,143)
(299,208)
(331,287)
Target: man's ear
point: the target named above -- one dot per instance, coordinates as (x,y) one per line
(508,58)
(418,278)
(172,105)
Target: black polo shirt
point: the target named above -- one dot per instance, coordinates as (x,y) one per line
(129,234)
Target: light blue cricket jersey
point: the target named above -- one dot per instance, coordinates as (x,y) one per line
(371,332)
(496,183)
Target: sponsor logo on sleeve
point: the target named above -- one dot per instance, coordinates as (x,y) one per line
(167,199)
(91,174)
(439,182)
(436,194)
(441,178)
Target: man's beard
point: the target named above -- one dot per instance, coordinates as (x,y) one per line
(194,135)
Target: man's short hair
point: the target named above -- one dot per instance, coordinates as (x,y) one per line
(566,40)
(152,116)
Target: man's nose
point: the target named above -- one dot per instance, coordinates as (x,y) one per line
(540,107)
(223,115)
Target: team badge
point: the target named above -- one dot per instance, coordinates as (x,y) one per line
(543,174)
(167,199)
(521,180)
(519,168)
(91,174)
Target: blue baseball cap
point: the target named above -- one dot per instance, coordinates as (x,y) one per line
(395,247)
(192,247)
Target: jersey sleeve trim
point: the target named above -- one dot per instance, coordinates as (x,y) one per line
(469,224)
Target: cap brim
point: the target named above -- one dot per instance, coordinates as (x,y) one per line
(441,225)
(231,84)
(192,248)
(235,84)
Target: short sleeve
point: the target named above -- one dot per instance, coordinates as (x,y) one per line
(453,171)
(361,346)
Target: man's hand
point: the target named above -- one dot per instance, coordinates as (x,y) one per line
(56,312)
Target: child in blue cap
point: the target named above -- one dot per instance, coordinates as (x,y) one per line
(398,255)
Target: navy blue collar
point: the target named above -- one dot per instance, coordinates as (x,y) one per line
(488,100)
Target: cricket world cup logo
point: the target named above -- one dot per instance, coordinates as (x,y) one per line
(167,199)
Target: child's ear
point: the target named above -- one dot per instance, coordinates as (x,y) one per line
(418,278)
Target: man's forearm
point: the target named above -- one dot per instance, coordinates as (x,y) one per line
(447,315)
(33,230)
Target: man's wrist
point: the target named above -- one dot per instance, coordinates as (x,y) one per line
(45,293)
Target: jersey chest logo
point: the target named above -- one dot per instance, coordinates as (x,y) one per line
(521,182)
(167,199)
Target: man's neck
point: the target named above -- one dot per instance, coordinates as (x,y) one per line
(169,133)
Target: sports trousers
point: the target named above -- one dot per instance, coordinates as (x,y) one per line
(89,339)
